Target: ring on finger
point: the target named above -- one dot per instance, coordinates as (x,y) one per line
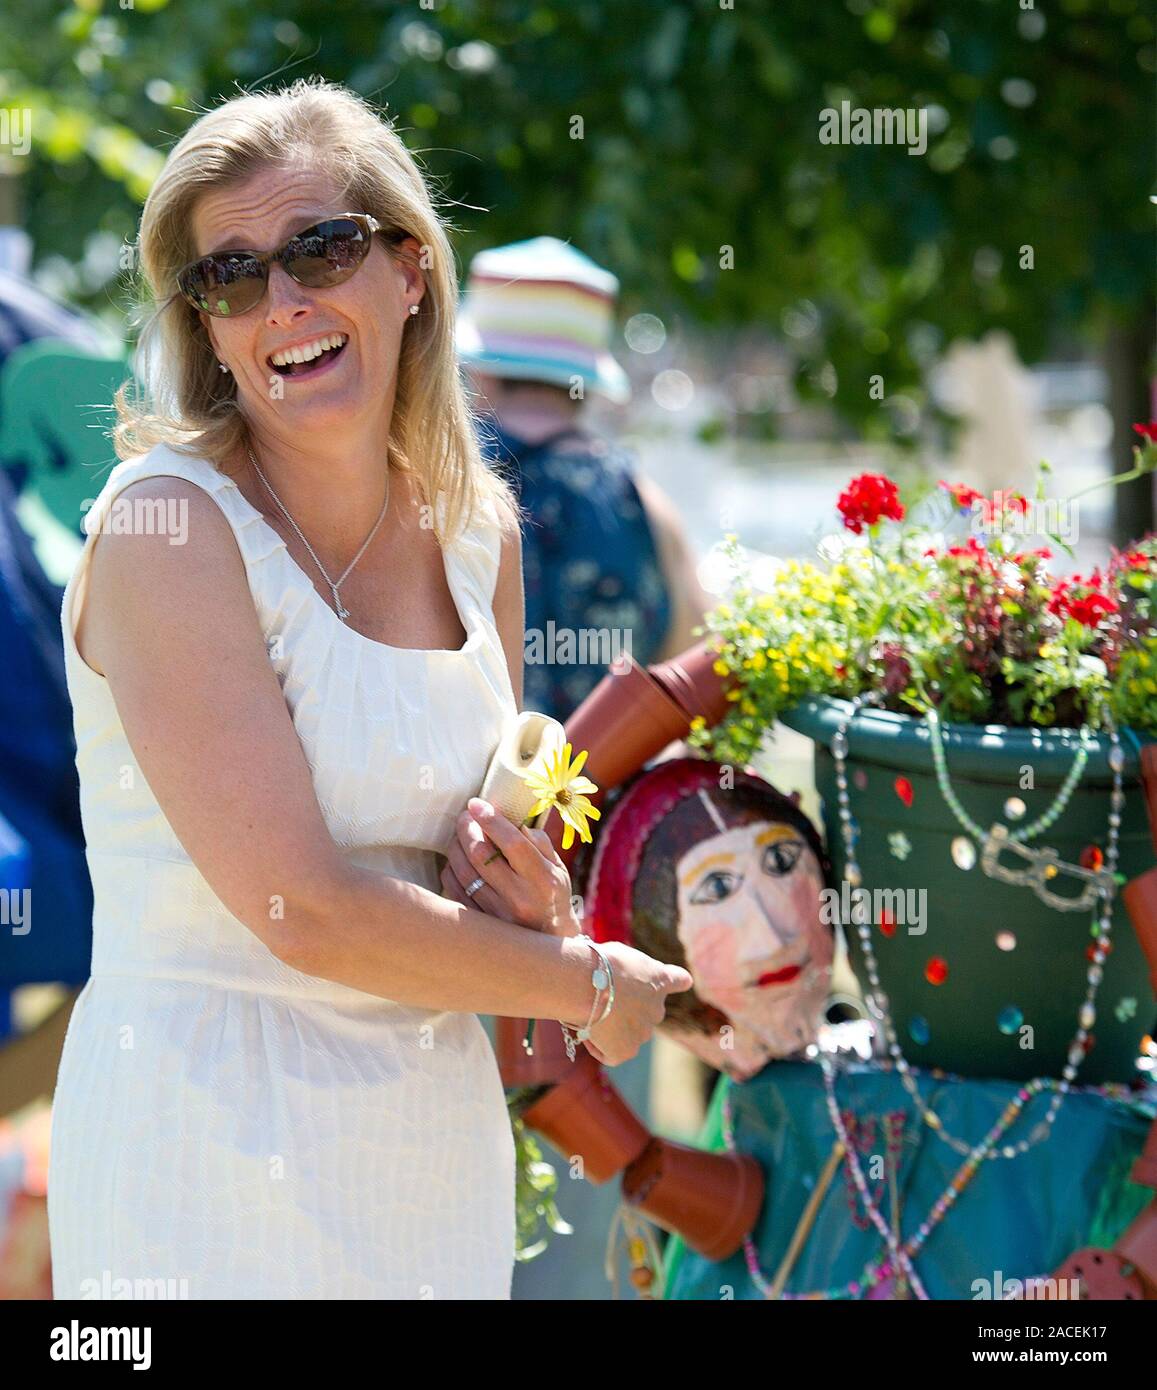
(474,887)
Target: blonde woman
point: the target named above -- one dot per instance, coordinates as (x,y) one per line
(292,640)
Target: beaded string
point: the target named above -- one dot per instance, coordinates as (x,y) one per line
(863,1135)
(878,1000)
(1024,833)
(881,1268)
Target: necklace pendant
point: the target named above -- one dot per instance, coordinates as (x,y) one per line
(342,612)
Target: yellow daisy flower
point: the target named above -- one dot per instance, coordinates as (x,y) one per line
(562,789)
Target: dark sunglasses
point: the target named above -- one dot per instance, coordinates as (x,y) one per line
(229,283)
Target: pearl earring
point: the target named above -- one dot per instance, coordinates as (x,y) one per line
(221,367)
(413,308)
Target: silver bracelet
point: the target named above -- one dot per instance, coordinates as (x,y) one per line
(603,979)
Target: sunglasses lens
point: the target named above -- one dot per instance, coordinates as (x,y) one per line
(224,285)
(328,253)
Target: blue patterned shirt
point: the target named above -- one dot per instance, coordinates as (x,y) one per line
(595,589)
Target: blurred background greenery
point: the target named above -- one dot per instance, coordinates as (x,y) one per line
(700,127)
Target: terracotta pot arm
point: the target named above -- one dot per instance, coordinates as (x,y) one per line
(712,1200)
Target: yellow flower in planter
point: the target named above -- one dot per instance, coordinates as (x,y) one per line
(561,788)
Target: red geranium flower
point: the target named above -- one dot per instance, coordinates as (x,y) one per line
(1088,607)
(973,549)
(1148,432)
(964,496)
(1092,608)
(868,498)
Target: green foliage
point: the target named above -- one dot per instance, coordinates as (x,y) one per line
(535,1186)
(699,133)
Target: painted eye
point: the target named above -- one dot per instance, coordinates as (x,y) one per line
(782,857)
(716,886)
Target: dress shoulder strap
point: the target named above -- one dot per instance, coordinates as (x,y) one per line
(110,512)
(254,539)
(476,551)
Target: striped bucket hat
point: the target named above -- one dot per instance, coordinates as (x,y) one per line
(539,310)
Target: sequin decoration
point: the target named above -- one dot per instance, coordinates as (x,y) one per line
(1009,1019)
(1006,941)
(1014,808)
(1125,1010)
(860,777)
(903,789)
(899,844)
(919,1031)
(1092,858)
(936,971)
(963,852)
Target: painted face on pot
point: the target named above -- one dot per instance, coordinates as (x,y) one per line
(749,923)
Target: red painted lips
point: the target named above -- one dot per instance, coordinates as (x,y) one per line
(778,977)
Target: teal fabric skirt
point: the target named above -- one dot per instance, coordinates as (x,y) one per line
(1018,1218)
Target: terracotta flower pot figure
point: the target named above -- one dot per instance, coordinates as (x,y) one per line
(715,870)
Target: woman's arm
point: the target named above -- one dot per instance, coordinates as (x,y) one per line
(174,630)
(688,601)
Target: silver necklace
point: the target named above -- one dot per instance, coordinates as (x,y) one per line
(335,585)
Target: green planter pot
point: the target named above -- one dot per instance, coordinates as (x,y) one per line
(998,1012)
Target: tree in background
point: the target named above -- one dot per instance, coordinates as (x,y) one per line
(678,140)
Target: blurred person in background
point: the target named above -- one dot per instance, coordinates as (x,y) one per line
(603,547)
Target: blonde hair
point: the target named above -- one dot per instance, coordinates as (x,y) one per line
(183,400)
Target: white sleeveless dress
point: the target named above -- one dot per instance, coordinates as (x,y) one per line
(227,1123)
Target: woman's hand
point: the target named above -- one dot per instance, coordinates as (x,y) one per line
(642,985)
(527,884)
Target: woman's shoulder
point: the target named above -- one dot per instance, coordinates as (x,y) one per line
(187,500)
(161,462)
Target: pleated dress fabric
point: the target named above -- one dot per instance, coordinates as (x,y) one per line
(225,1123)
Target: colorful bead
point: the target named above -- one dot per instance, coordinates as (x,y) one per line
(936,971)
(963,852)
(1009,1019)
(899,844)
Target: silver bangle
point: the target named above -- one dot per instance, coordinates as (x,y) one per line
(603,979)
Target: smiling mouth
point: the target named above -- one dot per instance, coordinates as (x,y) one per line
(316,364)
(778,977)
